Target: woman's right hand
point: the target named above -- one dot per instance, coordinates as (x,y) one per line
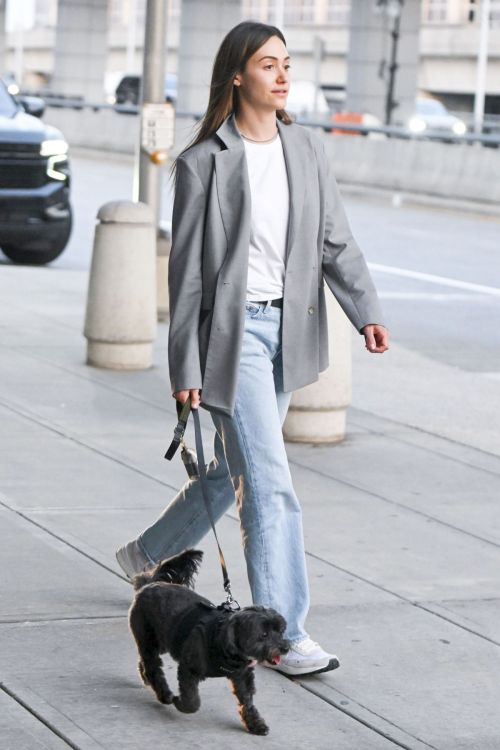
(183,396)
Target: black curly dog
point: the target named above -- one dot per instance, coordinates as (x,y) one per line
(167,616)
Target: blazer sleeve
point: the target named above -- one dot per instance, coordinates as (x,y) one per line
(185,278)
(344,267)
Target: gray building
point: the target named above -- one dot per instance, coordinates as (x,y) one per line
(441,43)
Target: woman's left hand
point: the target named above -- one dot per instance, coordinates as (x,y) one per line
(376,338)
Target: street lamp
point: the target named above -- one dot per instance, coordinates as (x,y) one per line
(392,9)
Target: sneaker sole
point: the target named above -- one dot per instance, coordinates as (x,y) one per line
(304,671)
(332,664)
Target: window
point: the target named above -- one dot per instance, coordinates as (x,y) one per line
(299,12)
(338,13)
(435,11)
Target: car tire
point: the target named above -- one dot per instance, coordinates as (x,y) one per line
(43,252)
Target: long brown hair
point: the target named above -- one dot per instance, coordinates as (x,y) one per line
(239,44)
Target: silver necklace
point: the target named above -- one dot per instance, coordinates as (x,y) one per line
(253,140)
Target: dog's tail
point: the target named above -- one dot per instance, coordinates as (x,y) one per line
(180,569)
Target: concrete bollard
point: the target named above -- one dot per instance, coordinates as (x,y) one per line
(317,413)
(163,254)
(120,322)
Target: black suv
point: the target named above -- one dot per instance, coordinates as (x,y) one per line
(35,212)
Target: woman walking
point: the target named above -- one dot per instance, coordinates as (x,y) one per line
(257,227)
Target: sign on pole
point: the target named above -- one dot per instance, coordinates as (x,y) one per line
(157,127)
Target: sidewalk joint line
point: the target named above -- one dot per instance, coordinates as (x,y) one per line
(404,599)
(428,432)
(76,618)
(365,723)
(379,716)
(417,512)
(88,379)
(60,539)
(36,419)
(38,716)
(396,438)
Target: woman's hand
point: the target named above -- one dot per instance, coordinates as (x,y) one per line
(376,338)
(183,396)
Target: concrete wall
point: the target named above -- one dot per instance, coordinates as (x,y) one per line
(458,171)
(447,170)
(103,130)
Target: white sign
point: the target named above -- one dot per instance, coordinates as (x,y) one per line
(157,127)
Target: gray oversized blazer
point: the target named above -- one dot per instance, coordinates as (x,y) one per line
(209,261)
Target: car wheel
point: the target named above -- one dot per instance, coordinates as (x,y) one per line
(42,251)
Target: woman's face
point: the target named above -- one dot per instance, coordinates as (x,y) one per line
(265,82)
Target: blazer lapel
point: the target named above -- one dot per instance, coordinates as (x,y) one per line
(233,186)
(296,171)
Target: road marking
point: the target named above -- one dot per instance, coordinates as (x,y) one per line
(430,277)
(437,296)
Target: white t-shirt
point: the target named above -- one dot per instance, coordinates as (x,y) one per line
(270,206)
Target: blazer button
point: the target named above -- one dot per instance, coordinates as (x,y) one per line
(310,310)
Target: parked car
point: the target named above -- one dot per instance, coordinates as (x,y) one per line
(129,89)
(35,211)
(431,116)
(303,102)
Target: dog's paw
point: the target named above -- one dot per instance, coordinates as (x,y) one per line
(258,727)
(184,706)
(253,721)
(165,696)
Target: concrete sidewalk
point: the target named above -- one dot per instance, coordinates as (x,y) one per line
(402,535)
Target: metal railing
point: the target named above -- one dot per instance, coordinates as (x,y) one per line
(392,131)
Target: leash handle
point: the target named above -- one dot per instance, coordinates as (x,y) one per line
(183,416)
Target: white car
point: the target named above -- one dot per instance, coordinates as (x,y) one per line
(431,116)
(301,101)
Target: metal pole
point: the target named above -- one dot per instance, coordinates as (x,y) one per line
(482,60)
(131,22)
(318,50)
(152,92)
(390,104)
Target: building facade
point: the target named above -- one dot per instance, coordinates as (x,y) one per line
(448,43)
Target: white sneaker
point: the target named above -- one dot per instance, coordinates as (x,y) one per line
(131,559)
(306,657)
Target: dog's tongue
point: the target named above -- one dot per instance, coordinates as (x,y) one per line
(252,663)
(276,659)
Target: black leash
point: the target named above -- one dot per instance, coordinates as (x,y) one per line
(195,466)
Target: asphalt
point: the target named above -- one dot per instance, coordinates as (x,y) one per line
(402,531)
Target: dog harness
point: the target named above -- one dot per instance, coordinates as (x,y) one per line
(220,663)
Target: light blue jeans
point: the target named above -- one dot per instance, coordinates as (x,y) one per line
(250,467)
